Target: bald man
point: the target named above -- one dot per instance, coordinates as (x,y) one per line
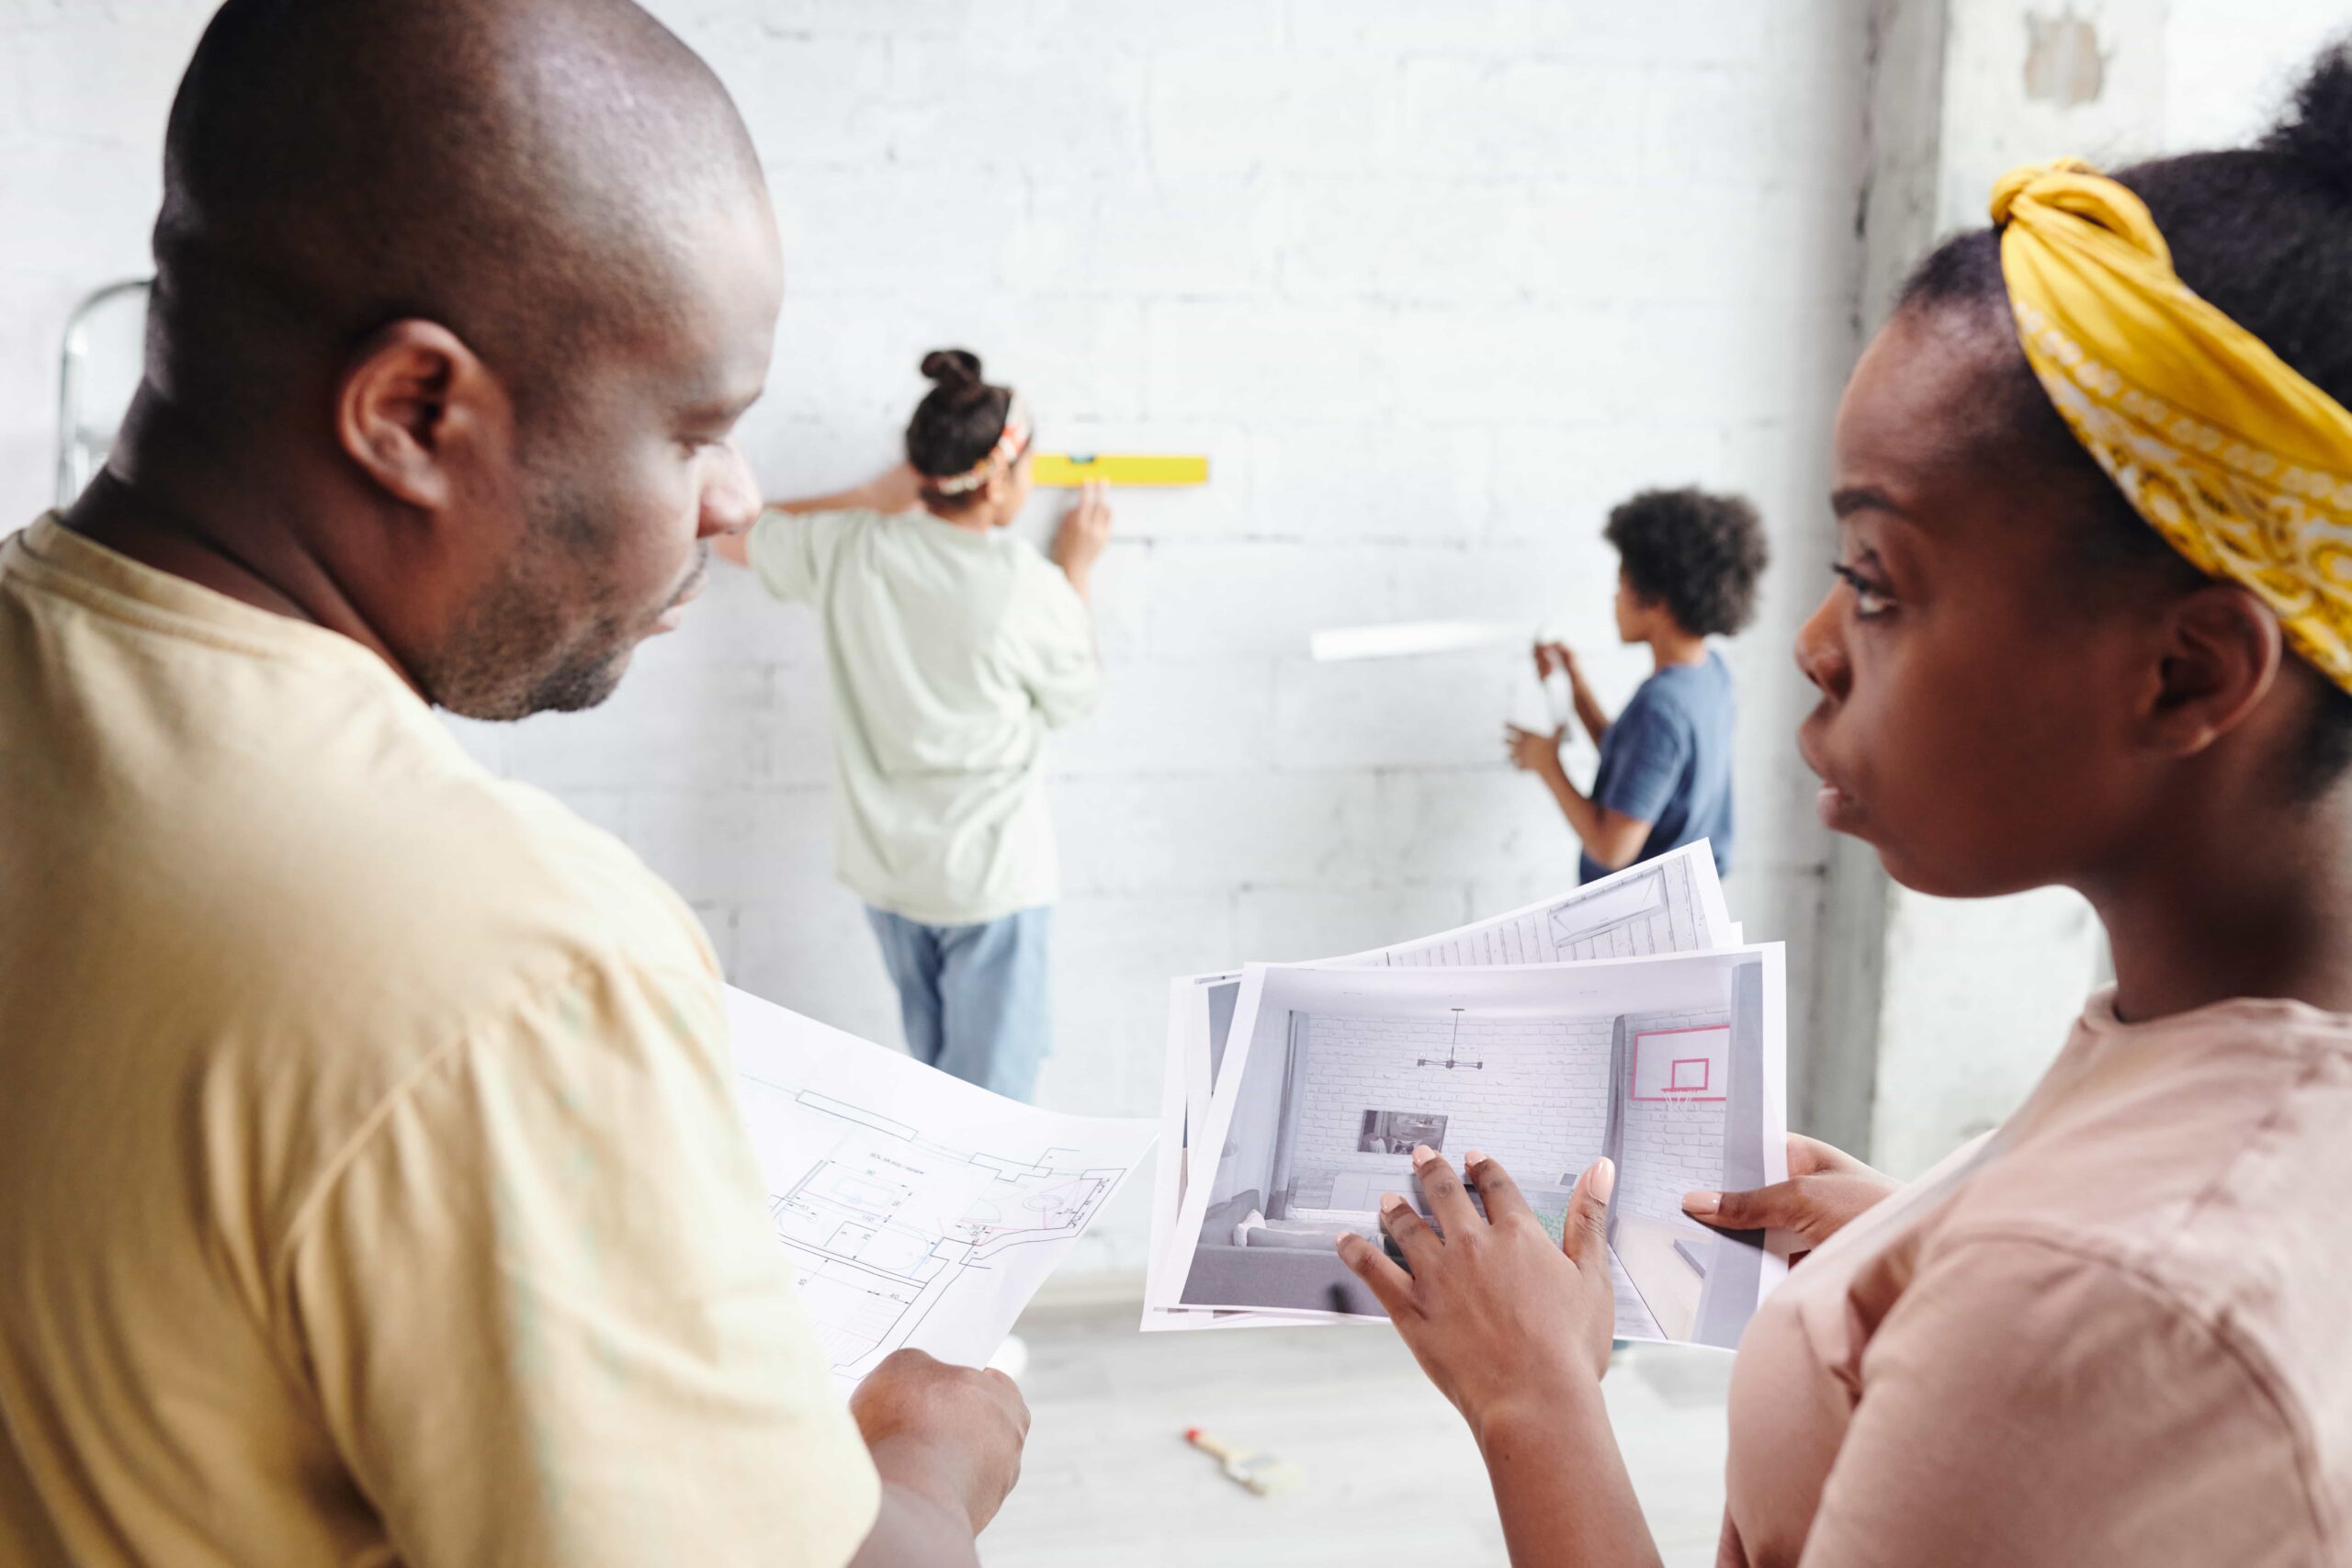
(373,1188)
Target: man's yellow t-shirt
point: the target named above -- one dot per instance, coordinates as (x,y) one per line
(370,1186)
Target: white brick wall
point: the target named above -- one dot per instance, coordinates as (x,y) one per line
(1431,284)
(1669,1147)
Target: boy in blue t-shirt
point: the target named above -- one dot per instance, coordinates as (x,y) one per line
(1688,565)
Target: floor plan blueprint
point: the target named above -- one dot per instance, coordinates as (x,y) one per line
(917,1209)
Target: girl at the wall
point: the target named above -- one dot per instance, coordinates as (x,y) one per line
(953,647)
(2093,627)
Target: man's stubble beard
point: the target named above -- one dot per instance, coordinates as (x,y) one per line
(516,651)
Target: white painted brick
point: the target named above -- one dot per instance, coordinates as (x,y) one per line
(1112,957)
(1014,102)
(1247,116)
(1735,124)
(685,723)
(1391,237)
(1296,924)
(1395,713)
(1262,361)
(1500,364)
(885,228)
(736,622)
(733,845)
(1722,363)
(1214,29)
(807,20)
(1138,834)
(1261,600)
(1553,484)
(810,101)
(1439,822)
(1371,482)
(808,948)
(1199,238)
(1675,33)
(1488,118)
(1381,29)
(1215,717)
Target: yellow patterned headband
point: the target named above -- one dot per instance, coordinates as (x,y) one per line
(2242,465)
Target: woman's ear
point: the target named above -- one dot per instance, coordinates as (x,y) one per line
(1002,493)
(2220,654)
(420,414)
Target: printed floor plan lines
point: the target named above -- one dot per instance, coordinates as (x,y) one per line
(915,1208)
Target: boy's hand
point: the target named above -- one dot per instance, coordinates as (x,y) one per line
(1085,530)
(1497,1315)
(1533,750)
(1825,1189)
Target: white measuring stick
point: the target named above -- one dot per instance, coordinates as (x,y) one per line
(1409,638)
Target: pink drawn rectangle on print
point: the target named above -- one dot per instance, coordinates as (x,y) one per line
(1661,1069)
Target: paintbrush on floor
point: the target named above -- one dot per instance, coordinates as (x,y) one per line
(1263,1473)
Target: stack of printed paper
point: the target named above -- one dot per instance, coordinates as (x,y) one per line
(1624,1019)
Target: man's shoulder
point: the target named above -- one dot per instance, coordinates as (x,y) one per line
(509,877)
(392,864)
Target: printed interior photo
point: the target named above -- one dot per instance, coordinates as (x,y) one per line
(1669,1066)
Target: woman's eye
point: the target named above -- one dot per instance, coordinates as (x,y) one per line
(1869,601)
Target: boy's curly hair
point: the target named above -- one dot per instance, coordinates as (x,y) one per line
(1697,553)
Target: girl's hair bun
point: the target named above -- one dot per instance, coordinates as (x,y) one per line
(952,367)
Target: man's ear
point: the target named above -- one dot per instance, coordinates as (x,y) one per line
(2220,653)
(417,410)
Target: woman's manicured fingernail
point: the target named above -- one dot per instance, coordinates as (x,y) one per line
(1604,1178)
(1390,1203)
(1701,1203)
(1471,1157)
(1423,1154)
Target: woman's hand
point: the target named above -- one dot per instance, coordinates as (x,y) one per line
(1502,1321)
(1825,1189)
(1533,750)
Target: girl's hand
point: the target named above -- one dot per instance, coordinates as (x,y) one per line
(1533,750)
(1085,530)
(1502,1321)
(1825,1189)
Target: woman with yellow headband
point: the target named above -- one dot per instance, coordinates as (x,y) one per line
(2093,494)
(951,648)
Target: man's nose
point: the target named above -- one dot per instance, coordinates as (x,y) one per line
(731,496)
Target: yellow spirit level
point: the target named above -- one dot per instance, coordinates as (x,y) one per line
(1070,469)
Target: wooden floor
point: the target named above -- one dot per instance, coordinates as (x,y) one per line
(1391,1474)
